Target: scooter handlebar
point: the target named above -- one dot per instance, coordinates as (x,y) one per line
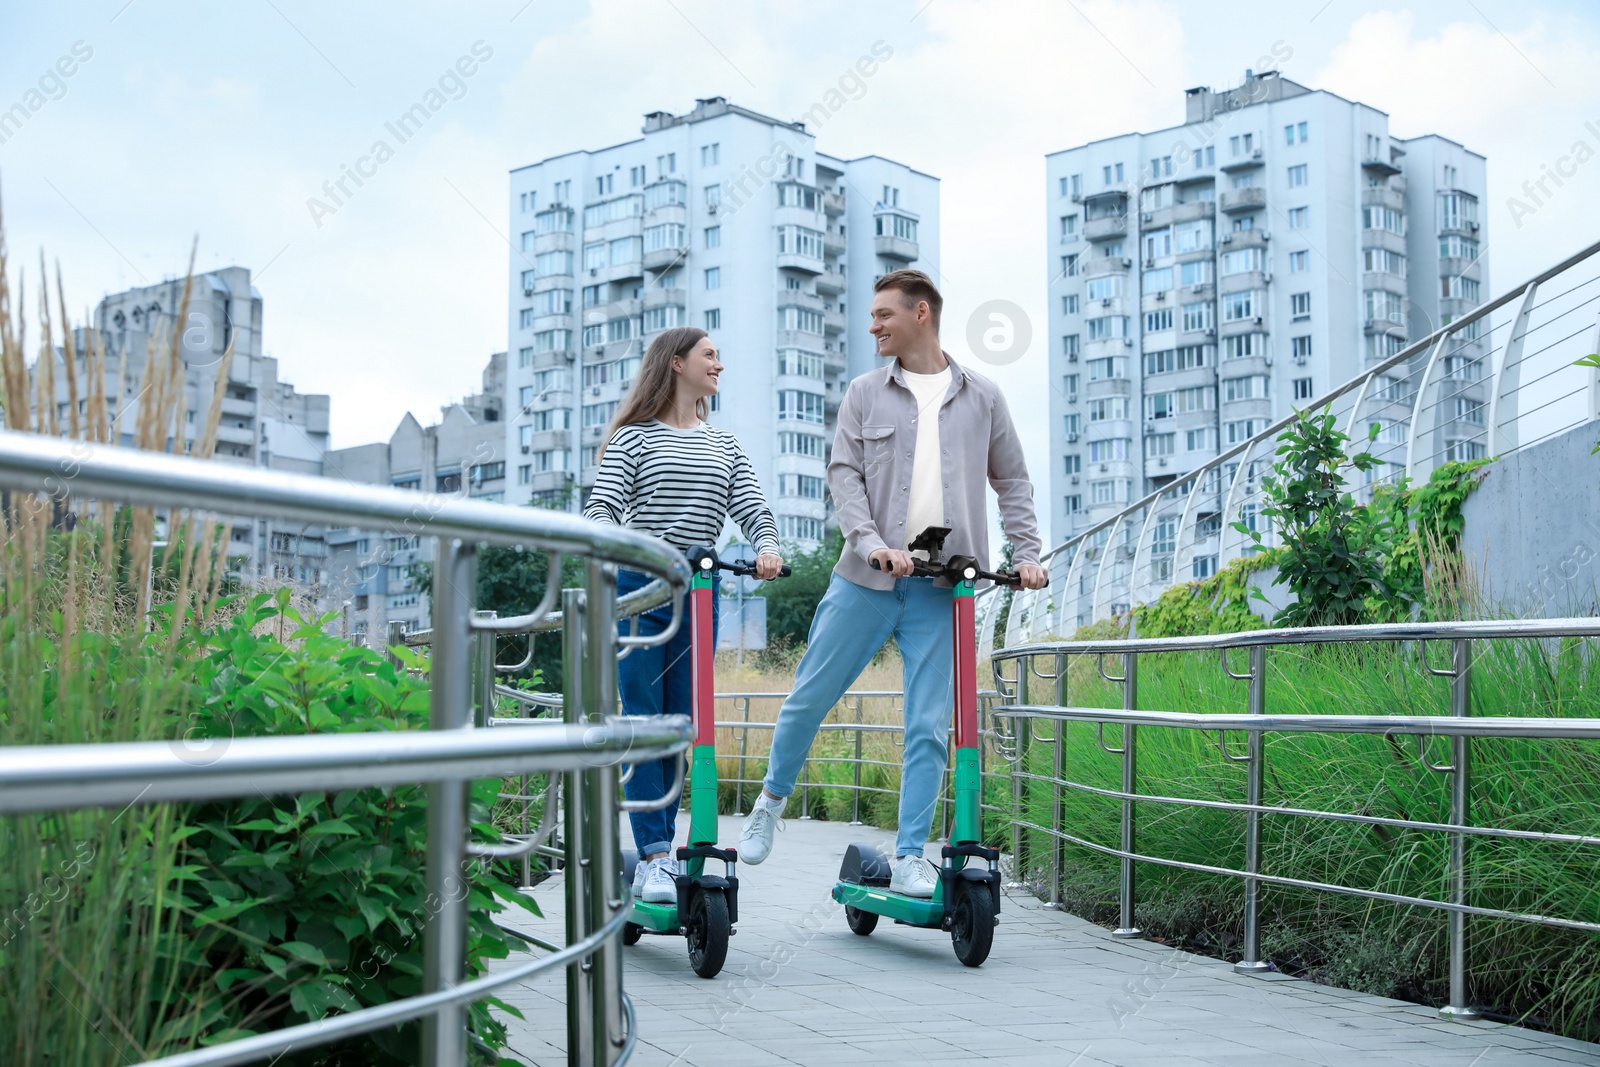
(706,559)
(959,568)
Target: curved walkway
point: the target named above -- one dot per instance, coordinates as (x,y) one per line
(800,988)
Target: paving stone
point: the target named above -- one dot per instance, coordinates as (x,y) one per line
(800,988)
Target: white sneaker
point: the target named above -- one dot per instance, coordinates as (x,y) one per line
(755,837)
(913,877)
(639,869)
(659,887)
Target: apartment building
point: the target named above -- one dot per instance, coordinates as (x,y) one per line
(463,454)
(1205,280)
(265,422)
(721,218)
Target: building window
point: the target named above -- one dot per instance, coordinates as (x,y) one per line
(1069,227)
(666,235)
(1157,281)
(1242,430)
(1384,306)
(1069,304)
(1106,408)
(1457,210)
(804,486)
(1109,326)
(1244,345)
(804,320)
(1069,265)
(1242,261)
(713,236)
(1299,262)
(713,196)
(800,528)
(710,154)
(800,241)
(1468,410)
(791,443)
(1115,448)
(714,319)
(1069,426)
(1156,321)
(1455,245)
(1384,218)
(524,357)
(635,177)
(1073,464)
(1302,389)
(525,318)
(1197,316)
(1239,307)
(1300,347)
(1300,305)
(1201,440)
(1250,387)
(1299,218)
(1195,273)
(1160,362)
(1297,175)
(1458,288)
(1384,261)
(1191,356)
(1160,444)
(1106,287)
(1069,345)
(1110,490)
(798,405)
(1072,503)
(552,341)
(1110,367)
(713,277)
(553,302)
(667,164)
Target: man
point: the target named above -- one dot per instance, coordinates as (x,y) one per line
(915,444)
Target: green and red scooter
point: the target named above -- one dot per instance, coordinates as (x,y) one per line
(708,905)
(966,901)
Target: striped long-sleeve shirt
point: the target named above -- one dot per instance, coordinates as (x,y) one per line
(680,485)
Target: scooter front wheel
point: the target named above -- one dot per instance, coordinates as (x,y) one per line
(631,932)
(708,931)
(861,922)
(972,928)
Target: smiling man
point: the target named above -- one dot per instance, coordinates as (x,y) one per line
(916,443)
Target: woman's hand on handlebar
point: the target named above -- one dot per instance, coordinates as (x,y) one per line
(899,564)
(768,564)
(1033,576)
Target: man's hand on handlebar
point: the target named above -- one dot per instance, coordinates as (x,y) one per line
(767,565)
(894,562)
(1033,576)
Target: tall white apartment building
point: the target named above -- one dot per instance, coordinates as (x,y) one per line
(1208,278)
(725,219)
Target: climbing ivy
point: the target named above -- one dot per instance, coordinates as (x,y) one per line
(1219,604)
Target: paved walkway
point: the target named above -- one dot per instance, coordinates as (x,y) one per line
(800,988)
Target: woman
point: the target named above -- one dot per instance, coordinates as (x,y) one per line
(665,472)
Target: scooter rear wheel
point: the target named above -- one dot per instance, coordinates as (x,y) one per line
(631,932)
(708,929)
(861,922)
(972,928)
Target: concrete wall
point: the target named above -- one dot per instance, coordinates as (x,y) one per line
(1532,529)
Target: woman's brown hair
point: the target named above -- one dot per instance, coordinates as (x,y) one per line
(654,387)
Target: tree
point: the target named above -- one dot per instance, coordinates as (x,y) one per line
(792,601)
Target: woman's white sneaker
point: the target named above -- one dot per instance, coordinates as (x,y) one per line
(755,837)
(913,877)
(659,887)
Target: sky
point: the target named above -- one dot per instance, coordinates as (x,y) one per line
(222,122)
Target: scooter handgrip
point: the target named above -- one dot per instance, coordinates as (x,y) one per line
(784,571)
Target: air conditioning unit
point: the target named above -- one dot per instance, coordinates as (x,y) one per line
(1256,320)
(1075,478)
(1211,331)
(1162,462)
(1473,226)
(1072,398)
(1197,289)
(528,291)
(1104,467)
(1127,342)
(1071,437)
(594,272)
(1265,236)
(594,390)
(711,209)
(1105,303)
(1267,361)
(1299,361)
(1256,154)
(525,450)
(1077,198)
(1147,216)
(1161,295)
(1225,239)
(1072,357)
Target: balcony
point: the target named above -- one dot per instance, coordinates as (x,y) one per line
(1393,324)
(1243,239)
(1256,158)
(1379,166)
(657,297)
(832,243)
(796,298)
(832,321)
(664,258)
(235,406)
(830,281)
(1106,228)
(1235,201)
(1194,209)
(233,434)
(890,247)
(1384,196)
(555,241)
(1098,265)
(833,203)
(799,261)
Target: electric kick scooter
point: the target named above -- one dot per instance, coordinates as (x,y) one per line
(966,901)
(708,905)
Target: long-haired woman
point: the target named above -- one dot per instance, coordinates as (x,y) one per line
(665,471)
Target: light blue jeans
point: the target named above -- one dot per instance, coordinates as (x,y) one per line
(850,626)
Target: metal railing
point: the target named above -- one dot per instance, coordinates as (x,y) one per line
(1458,726)
(586,748)
(1480,385)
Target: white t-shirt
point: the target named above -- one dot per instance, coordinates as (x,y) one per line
(926,507)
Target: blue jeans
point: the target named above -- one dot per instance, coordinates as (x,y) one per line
(655,681)
(850,626)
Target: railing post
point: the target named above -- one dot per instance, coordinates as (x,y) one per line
(604,877)
(1130,781)
(444,953)
(483,671)
(1023,731)
(1058,847)
(1460,813)
(744,741)
(1254,771)
(580,1020)
(855,794)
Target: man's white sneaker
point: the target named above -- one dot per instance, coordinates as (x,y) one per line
(659,888)
(755,838)
(913,877)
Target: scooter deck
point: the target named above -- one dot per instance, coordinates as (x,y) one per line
(657,918)
(913,911)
